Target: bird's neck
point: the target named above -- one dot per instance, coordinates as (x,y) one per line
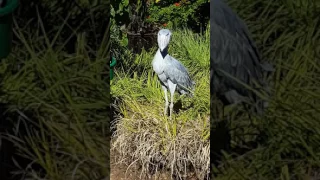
(164,52)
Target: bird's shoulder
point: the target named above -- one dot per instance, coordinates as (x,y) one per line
(231,40)
(174,64)
(223,17)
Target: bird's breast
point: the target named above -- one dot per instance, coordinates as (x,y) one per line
(158,65)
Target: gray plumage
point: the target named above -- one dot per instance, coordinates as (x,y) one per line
(171,73)
(233,52)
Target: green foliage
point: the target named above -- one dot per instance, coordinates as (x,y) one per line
(175,14)
(149,15)
(118,39)
(119,19)
(120,11)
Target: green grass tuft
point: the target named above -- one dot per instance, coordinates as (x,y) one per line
(143,135)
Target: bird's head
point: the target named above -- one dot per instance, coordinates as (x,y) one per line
(164,36)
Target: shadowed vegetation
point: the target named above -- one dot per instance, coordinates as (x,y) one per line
(285,142)
(56,104)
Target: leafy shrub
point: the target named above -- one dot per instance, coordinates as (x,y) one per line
(148,16)
(176,14)
(119,16)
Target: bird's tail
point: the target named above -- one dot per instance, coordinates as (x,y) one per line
(188,91)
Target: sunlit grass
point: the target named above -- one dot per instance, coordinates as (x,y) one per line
(143,134)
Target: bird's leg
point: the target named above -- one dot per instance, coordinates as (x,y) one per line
(167,102)
(172,88)
(171,103)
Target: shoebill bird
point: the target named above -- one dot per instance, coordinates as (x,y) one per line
(171,73)
(233,55)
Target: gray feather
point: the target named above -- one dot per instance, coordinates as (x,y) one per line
(234,52)
(178,74)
